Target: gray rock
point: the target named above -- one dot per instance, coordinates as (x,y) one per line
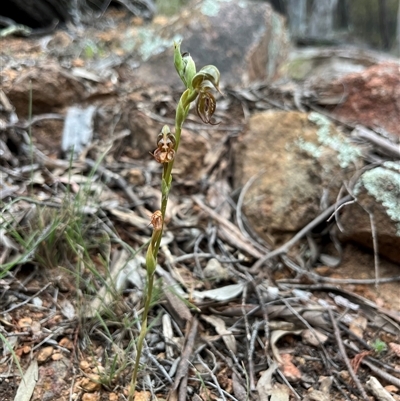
(378,195)
(246,40)
(304,158)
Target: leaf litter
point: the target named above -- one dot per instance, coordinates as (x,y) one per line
(71,252)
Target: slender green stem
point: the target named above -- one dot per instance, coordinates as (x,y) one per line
(151,258)
(166,177)
(143,331)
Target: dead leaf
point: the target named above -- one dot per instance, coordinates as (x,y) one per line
(395,348)
(27,385)
(168,336)
(275,336)
(342,301)
(280,392)
(221,294)
(176,306)
(391,388)
(220,328)
(238,390)
(214,271)
(67,309)
(183,367)
(316,395)
(57,356)
(131,218)
(358,358)
(264,384)
(65,342)
(358,326)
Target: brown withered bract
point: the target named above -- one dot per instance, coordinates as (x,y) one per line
(157,220)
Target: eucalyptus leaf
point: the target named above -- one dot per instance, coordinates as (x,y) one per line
(221,294)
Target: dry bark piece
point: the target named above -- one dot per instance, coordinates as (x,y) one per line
(78,130)
(180,383)
(378,390)
(313,337)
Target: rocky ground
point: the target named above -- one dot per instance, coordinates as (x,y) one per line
(278,278)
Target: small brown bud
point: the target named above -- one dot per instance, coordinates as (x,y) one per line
(157,220)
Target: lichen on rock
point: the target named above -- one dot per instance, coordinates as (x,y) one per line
(347,153)
(384,185)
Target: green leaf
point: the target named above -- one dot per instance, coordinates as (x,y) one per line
(189,71)
(179,62)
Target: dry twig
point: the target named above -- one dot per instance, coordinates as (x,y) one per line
(285,247)
(345,357)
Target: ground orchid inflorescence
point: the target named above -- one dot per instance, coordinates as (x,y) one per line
(199,87)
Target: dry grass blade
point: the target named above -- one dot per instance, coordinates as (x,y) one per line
(231,233)
(285,247)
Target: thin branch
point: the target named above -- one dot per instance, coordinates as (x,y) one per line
(345,357)
(285,247)
(320,279)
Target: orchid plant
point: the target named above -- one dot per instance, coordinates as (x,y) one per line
(199,86)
